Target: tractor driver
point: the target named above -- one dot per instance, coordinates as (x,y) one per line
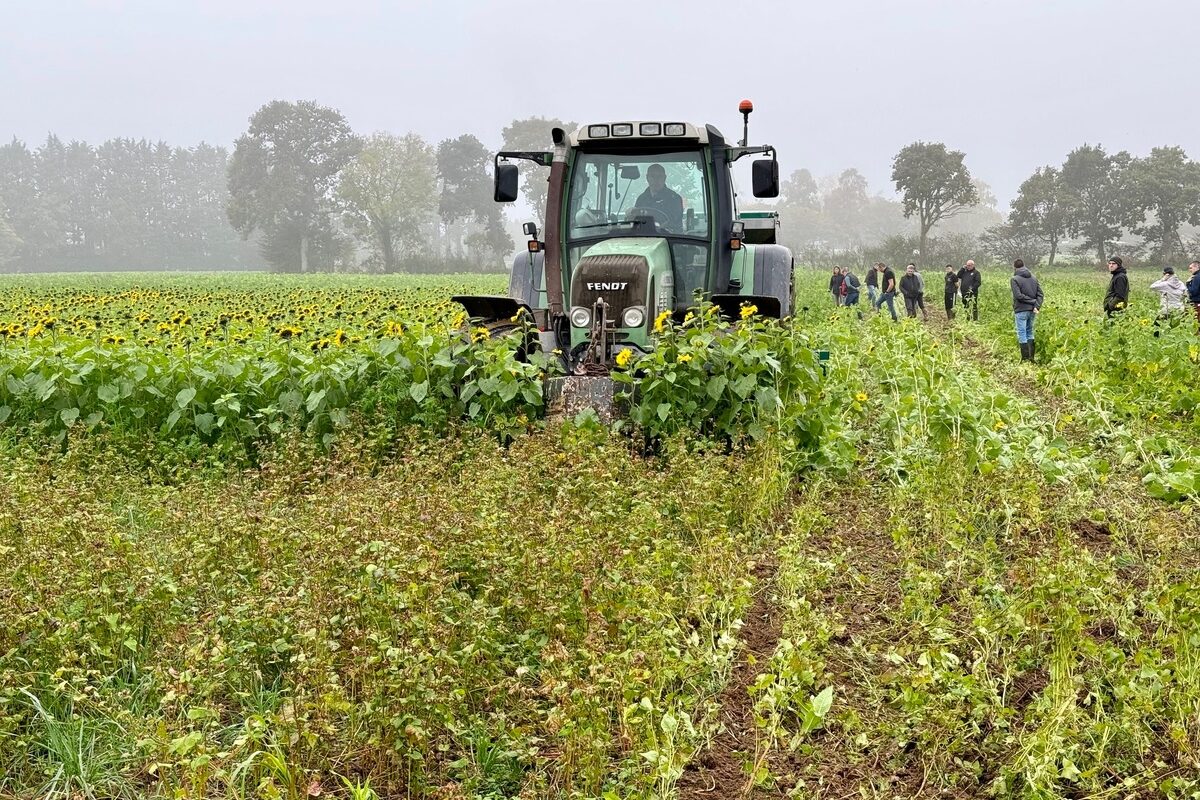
(659,198)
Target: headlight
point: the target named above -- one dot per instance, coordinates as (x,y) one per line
(674,129)
(649,129)
(622,129)
(633,317)
(581,317)
(597,131)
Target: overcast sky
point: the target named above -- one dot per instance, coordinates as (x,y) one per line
(1013,83)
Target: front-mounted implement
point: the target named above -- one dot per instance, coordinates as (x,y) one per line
(641,219)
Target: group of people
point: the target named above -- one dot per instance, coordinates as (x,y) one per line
(882,287)
(1174,295)
(962,285)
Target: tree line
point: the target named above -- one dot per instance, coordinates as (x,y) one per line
(300,191)
(1094,204)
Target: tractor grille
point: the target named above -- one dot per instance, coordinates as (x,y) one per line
(620,280)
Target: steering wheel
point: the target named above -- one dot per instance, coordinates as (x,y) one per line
(660,218)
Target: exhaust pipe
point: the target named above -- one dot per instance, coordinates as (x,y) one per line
(553,262)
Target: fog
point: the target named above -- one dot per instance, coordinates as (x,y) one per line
(1014,84)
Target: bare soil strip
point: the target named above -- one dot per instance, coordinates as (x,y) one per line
(721,771)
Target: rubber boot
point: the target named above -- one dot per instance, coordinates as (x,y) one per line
(1032,350)
(1024,351)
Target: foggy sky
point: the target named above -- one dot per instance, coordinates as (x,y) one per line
(1015,84)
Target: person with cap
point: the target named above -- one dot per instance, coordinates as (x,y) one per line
(951,290)
(1193,287)
(1117,298)
(969,281)
(1027,302)
(1171,292)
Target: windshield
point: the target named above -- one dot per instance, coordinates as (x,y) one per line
(627,194)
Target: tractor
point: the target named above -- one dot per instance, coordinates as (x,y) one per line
(641,220)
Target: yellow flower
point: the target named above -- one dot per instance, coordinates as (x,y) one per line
(749,310)
(861,397)
(624,357)
(660,321)
(688,317)
(999,426)
(683,358)
(480,335)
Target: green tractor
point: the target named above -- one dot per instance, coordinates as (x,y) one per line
(641,218)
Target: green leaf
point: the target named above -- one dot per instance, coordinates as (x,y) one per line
(5,411)
(418,391)
(744,385)
(185,396)
(314,400)
(822,702)
(69,416)
(664,411)
(716,386)
(185,744)
(108,393)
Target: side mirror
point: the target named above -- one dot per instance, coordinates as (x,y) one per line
(766,177)
(530,229)
(506,183)
(630,172)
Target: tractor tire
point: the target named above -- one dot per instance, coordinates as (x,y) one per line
(774,275)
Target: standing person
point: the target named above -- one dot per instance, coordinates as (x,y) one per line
(835,285)
(1193,287)
(1027,302)
(951,290)
(887,289)
(1171,292)
(851,286)
(921,293)
(910,287)
(969,281)
(1117,299)
(872,284)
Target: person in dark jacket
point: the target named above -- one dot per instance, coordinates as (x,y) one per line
(1193,287)
(1117,299)
(1027,302)
(951,290)
(910,287)
(887,289)
(969,281)
(835,285)
(872,284)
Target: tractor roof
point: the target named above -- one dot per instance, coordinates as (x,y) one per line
(640,131)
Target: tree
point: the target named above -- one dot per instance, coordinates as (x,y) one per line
(464,166)
(1093,194)
(10,243)
(1007,243)
(845,205)
(800,190)
(935,183)
(1040,210)
(282,177)
(533,134)
(1165,194)
(389,191)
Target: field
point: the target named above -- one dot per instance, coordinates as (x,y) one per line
(298,537)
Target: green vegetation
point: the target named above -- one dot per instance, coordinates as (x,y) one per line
(963,574)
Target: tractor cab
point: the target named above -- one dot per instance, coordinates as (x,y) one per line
(640,220)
